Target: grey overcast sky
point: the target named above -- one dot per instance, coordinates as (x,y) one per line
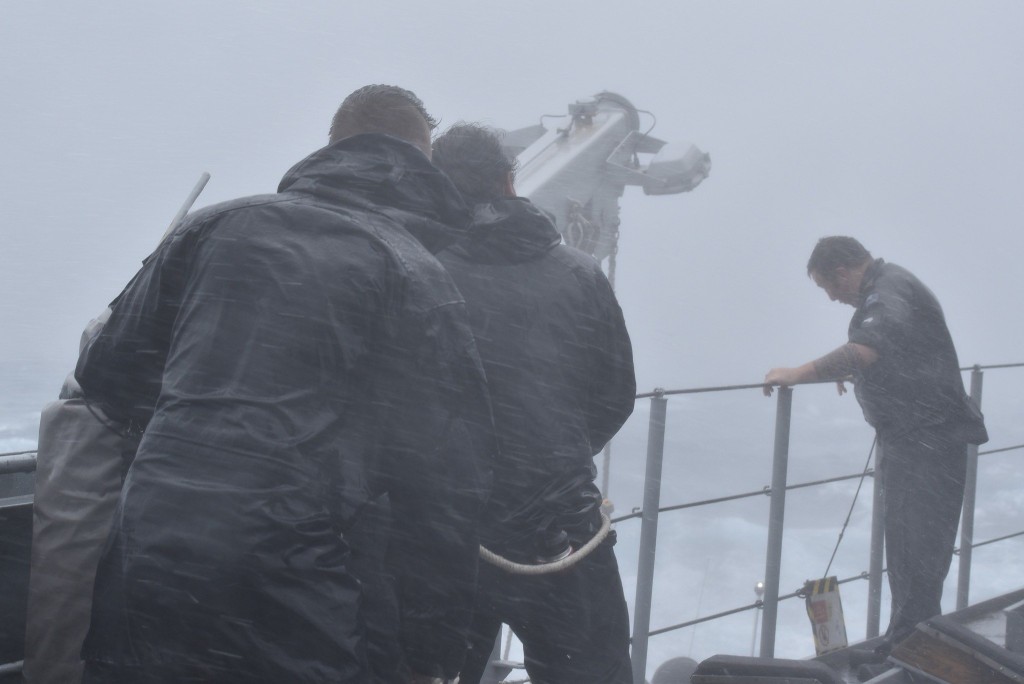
(901,123)
(898,123)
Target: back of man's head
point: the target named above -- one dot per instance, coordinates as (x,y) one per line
(384,109)
(472,157)
(836,251)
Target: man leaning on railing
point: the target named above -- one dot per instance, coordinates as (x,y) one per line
(906,376)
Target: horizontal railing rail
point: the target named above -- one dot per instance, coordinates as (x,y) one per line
(991,541)
(11,668)
(659,392)
(741,609)
(999,451)
(993,366)
(17,462)
(765,491)
(799,593)
(651,509)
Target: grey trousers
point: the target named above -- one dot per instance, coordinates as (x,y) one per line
(923,474)
(78,482)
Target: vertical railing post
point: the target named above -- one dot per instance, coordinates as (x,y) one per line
(776,516)
(493,672)
(877,547)
(963,584)
(648,535)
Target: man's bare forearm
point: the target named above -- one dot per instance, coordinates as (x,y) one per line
(835,365)
(843,361)
(838,363)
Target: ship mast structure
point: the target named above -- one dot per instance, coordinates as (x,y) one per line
(577,172)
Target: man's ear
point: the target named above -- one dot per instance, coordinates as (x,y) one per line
(510,189)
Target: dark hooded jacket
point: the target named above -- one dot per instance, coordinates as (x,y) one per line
(559,369)
(294,356)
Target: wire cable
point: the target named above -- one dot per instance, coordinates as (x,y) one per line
(846,523)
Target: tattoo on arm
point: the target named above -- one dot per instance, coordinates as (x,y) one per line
(838,364)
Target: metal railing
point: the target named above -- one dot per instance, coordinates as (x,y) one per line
(17,462)
(25,461)
(651,510)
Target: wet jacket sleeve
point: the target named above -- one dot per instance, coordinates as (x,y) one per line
(437,472)
(121,367)
(613,382)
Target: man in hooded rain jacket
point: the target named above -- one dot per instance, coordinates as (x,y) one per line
(292,357)
(559,368)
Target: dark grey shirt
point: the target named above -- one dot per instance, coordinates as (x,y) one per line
(916,380)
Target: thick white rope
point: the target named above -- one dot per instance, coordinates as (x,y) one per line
(555,566)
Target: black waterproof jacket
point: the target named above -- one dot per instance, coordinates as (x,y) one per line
(559,368)
(293,356)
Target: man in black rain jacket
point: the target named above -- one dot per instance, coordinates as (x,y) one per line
(907,381)
(292,357)
(560,372)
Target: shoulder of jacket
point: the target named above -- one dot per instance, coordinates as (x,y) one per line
(895,279)
(575,258)
(586,269)
(211,213)
(243,213)
(426,280)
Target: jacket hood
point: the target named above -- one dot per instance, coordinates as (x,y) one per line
(508,231)
(382,173)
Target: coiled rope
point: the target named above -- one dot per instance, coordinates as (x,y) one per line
(555,566)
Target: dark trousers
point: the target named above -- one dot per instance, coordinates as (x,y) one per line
(573,624)
(923,475)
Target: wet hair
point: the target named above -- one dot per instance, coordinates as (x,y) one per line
(836,251)
(472,157)
(382,109)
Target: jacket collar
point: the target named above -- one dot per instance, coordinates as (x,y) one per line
(508,231)
(382,173)
(871,274)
